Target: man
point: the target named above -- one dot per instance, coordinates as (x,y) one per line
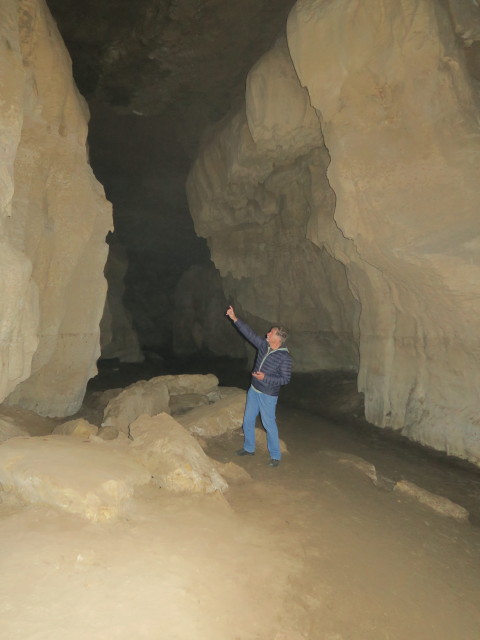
(273,368)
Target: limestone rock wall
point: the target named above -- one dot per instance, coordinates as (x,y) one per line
(249,195)
(53,220)
(400,120)
(374,242)
(118,338)
(199,321)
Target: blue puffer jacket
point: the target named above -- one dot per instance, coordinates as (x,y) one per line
(276,364)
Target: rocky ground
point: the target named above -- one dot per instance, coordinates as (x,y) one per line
(324,547)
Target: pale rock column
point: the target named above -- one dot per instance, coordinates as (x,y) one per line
(54,220)
(18,293)
(400,120)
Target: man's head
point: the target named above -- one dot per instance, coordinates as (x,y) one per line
(276,337)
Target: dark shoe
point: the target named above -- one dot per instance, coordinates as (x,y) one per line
(273,462)
(242,452)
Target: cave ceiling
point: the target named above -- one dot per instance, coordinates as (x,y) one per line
(156,74)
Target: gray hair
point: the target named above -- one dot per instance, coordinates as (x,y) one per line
(282,333)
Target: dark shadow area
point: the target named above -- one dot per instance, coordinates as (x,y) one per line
(114,374)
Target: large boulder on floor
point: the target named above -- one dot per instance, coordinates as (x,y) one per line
(144,397)
(232,472)
(186,402)
(220,417)
(158,395)
(173,457)
(79,428)
(204,384)
(189,391)
(87,478)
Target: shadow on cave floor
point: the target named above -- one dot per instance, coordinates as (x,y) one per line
(326,409)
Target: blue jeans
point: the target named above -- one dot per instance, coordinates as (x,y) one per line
(261,403)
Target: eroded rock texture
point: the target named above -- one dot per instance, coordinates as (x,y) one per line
(199,322)
(173,457)
(343,201)
(81,476)
(53,220)
(118,338)
(250,195)
(156,73)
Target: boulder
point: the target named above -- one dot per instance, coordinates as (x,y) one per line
(189,383)
(172,456)
(79,428)
(159,395)
(233,473)
(186,402)
(110,433)
(144,397)
(214,419)
(90,479)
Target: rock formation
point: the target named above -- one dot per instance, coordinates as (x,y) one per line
(199,322)
(53,220)
(156,73)
(206,408)
(117,336)
(340,198)
(399,117)
(173,457)
(148,397)
(224,416)
(91,479)
(350,212)
(251,201)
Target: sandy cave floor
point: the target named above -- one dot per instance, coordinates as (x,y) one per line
(310,550)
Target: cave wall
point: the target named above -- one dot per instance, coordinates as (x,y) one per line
(199,321)
(343,202)
(118,338)
(249,195)
(54,219)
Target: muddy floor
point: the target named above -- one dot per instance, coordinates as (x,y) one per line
(310,550)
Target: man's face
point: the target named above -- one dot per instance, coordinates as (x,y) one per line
(273,338)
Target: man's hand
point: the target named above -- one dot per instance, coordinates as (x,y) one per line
(231,313)
(259,375)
